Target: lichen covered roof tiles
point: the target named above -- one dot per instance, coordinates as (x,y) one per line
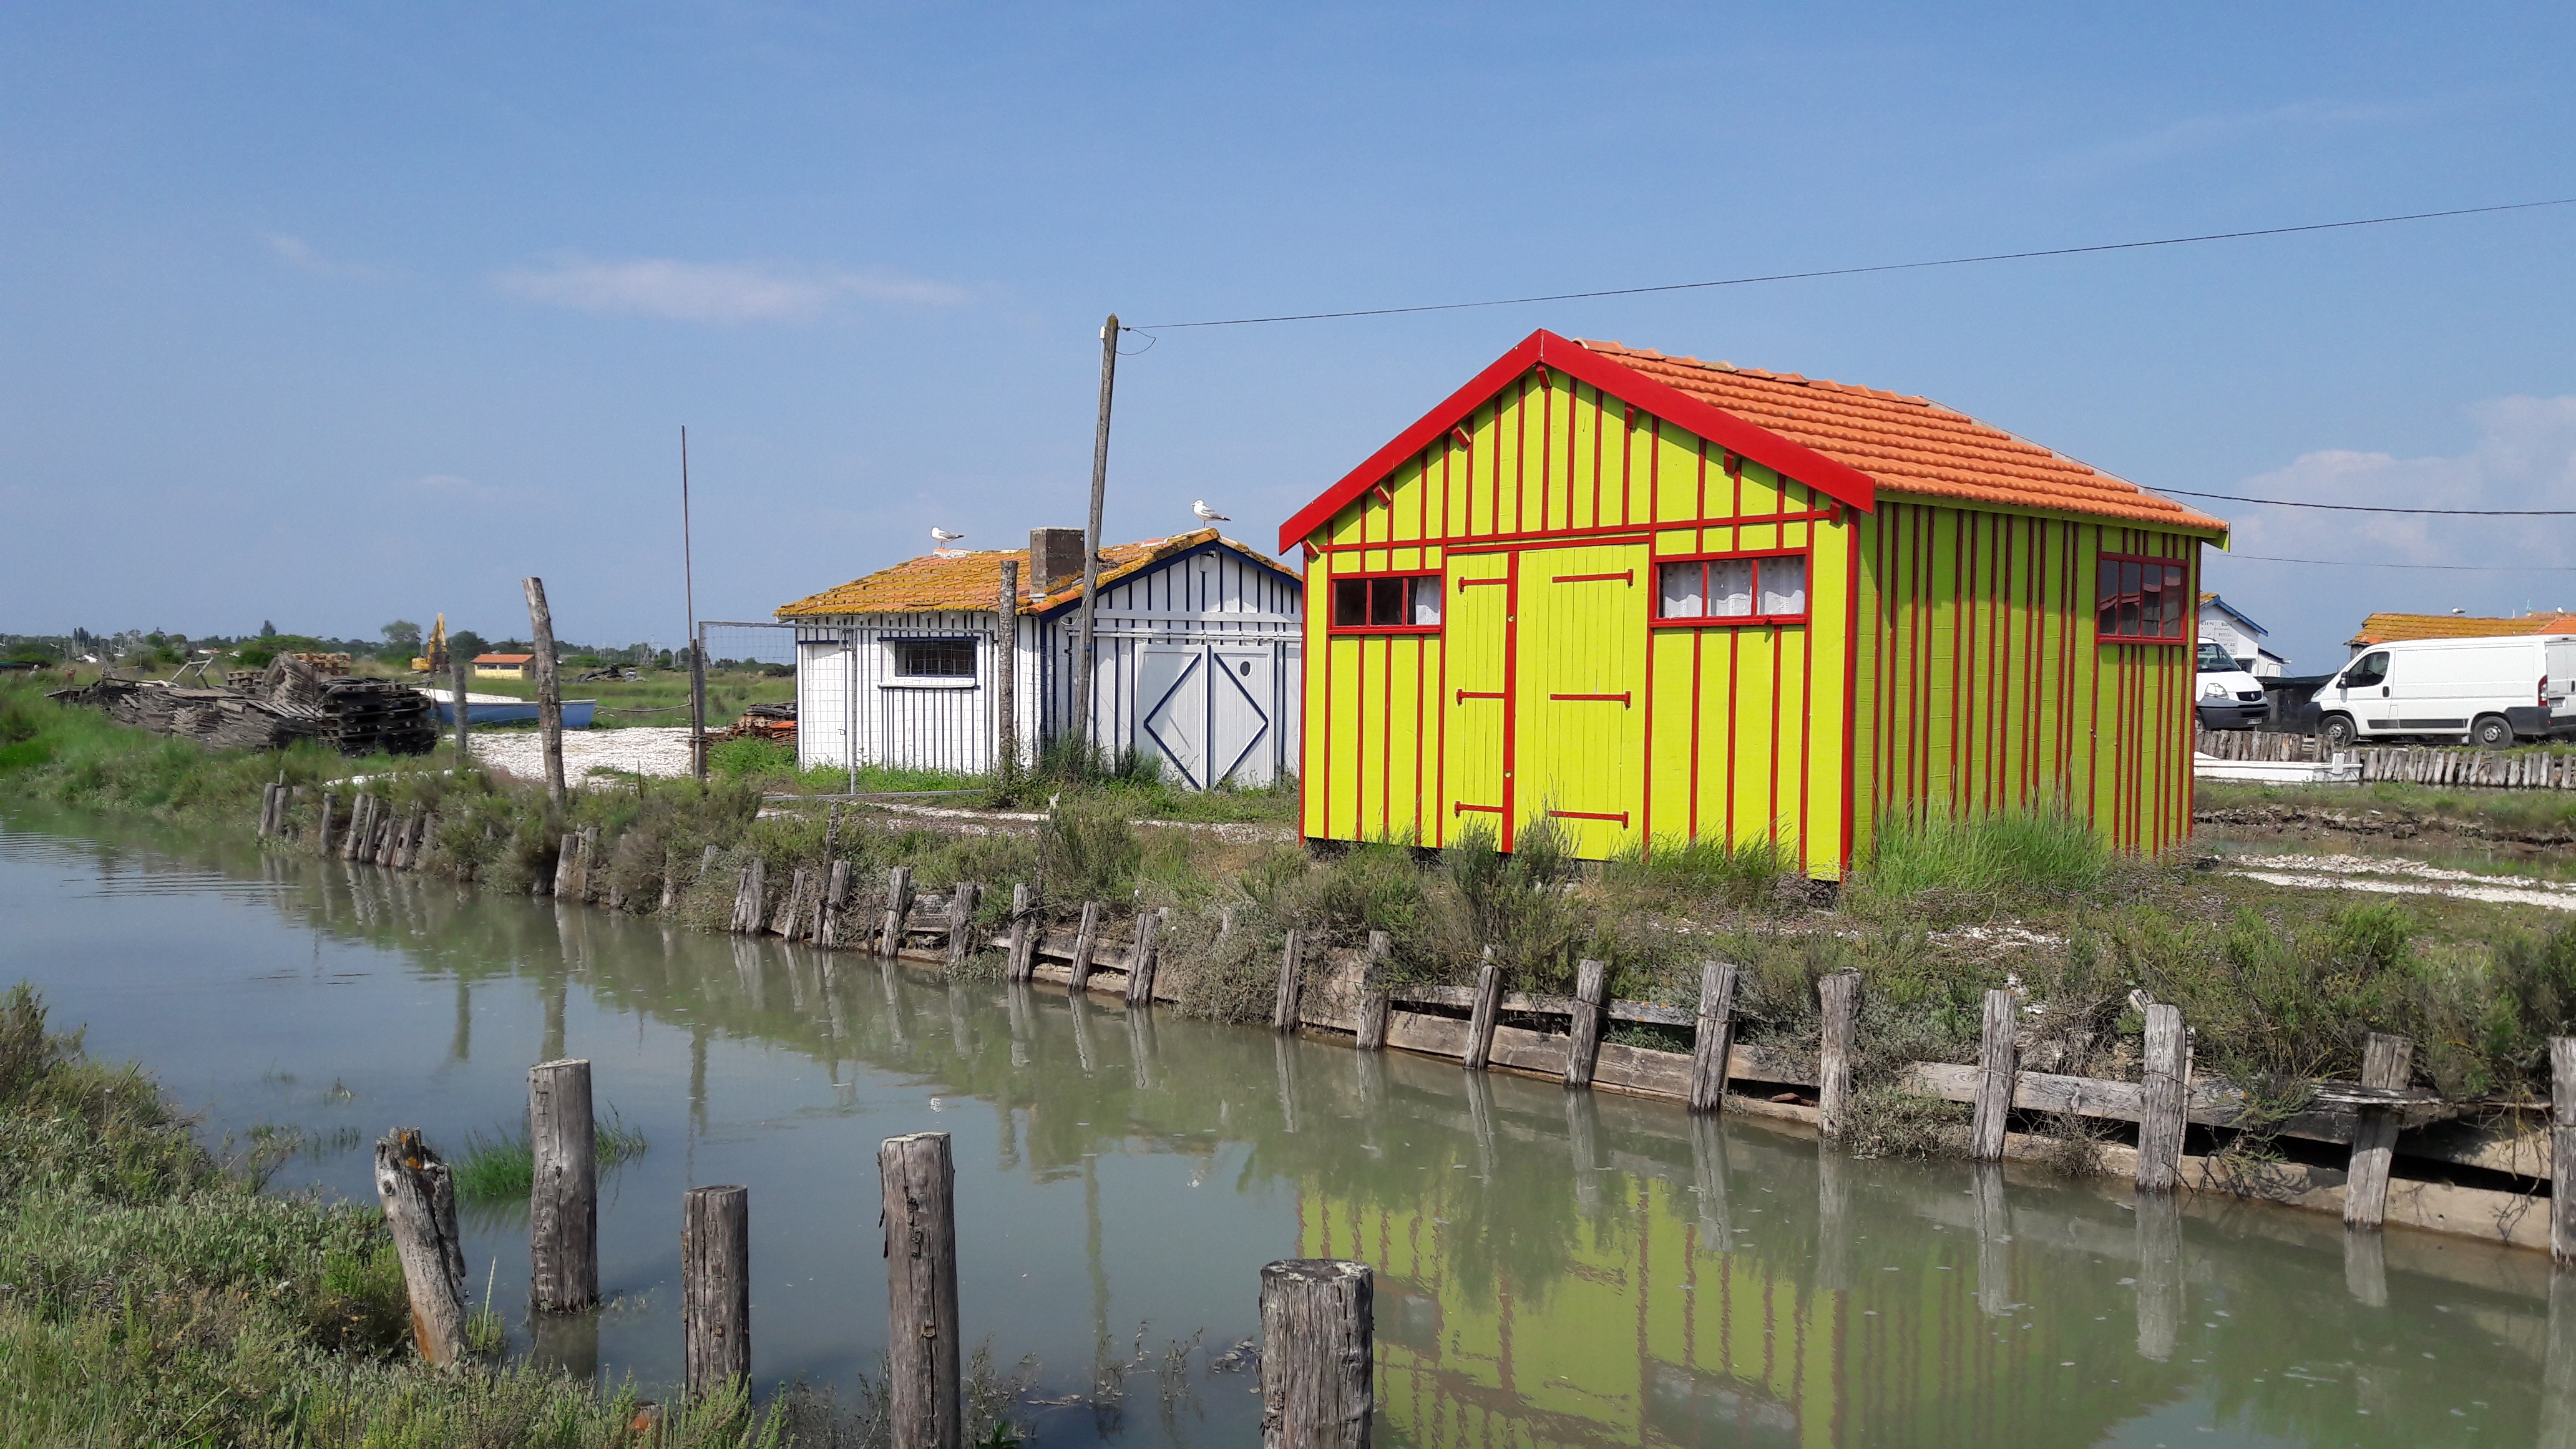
(1906,444)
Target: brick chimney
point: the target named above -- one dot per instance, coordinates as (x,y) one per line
(1054,553)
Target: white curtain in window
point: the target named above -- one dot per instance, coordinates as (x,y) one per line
(1784,585)
(1426,599)
(1730,588)
(1680,583)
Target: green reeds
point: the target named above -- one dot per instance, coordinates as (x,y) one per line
(501,1166)
(2023,855)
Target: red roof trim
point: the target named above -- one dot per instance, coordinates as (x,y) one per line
(1795,460)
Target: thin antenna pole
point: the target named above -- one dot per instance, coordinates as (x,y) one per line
(697,664)
(1082,666)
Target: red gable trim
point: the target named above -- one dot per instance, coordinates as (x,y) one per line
(1793,460)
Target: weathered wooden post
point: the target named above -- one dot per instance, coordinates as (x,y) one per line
(1006,628)
(1024,941)
(2562,1148)
(1488,1008)
(1292,983)
(828,912)
(961,922)
(563,1203)
(267,809)
(541,631)
(568,867)
(456,689)
(923,1341)
(1714,1040)
(1318,1354)
(2160,1283)
(322,826)
(1376,1002)
(1146,956)
(750,889)
(2558,1366)
(2365,1266)
(1086,943)
(2386,1061)
(2160,1101)
(1994,1239)
(419,1200)
(359,809)
(1583,1046)
(898,911)
(1995,1071)
(715,1287)
(1840,993)
(800,891)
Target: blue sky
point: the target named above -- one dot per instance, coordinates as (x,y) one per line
(333,314)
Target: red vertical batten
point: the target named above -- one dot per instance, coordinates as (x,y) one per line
(1600,423)
(1734,664)
(1646,766)
(1421,647)
(1511,694)
(1851,682)
(1386,737)
(1546,446)
(1698,744)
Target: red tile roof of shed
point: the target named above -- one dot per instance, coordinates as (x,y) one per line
(939,582)
(1908,444)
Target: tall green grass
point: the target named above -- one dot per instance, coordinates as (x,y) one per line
(2003,855)
(501,1166)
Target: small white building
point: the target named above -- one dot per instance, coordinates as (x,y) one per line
(2241,637)
(1197,638)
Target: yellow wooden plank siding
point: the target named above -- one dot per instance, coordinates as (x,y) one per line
(1547,691)
(1985,685)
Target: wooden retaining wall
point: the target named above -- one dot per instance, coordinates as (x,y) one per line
(2414,764)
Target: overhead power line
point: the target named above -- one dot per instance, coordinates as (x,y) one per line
(2345,563)
(2370,508)
(2126,246)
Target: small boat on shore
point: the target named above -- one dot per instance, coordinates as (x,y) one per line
(500,709)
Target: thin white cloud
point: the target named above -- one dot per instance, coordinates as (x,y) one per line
(452,489)
(2221,130)
(721,292)
(299,254)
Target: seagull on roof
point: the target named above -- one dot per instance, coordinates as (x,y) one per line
(1207,514)
(943,538)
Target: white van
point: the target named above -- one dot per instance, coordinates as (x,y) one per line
(2228,697)
(2489,692)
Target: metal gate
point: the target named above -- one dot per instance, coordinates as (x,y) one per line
(1209,712)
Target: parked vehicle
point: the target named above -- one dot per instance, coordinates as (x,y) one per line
(2230,698)
(2487,692)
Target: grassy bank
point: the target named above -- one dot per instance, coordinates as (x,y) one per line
(2550,814)
(2279,983)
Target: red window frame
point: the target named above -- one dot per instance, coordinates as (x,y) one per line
(1333,595)
(1732,621)
(2123,595)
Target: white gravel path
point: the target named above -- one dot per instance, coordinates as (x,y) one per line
(2390,876)
(649,751)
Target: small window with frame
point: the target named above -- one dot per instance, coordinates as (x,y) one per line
(1740,588)
(2139,599)
(943,659)
(1386,603)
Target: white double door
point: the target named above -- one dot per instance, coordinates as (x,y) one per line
(1209,712)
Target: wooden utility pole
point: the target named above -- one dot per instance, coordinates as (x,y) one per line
(1006,658)
(1317,1354)
(1082,663)
(419,1199)
(563,1201)
(715,1287)
(541,624)
(456,683)
(923,1341)
(697,649)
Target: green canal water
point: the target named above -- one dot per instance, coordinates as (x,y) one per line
(1553,1268)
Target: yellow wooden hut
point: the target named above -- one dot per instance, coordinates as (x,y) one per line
(1653,598)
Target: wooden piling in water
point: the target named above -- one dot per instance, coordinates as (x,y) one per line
(1994,1240)
(1583,1046)
(924,1341)
(751,888)
(1714,1039)
(2163,1092)
(419,1199)
(1376,1003)
(2562,1148)
(1086,943)
(800,892)
(1147,956)
(898,911)
(961,922)
(357,826)
(1840,992)
(322,826)
(1318,1354)
(1292,983)
(1995,1072)
(2160,1278)
(2386,1061)
(715,1287)
(1024,940)
(568,868)
(541,627)
(828,912)
(563,1200)
(267,809)
(1482,1017)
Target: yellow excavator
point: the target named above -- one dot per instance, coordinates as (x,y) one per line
(434,662)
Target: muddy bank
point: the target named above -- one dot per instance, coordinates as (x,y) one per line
(2300,822)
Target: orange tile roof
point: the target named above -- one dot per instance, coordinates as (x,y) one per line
(2390,628)
(968,581)
(1908,444)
